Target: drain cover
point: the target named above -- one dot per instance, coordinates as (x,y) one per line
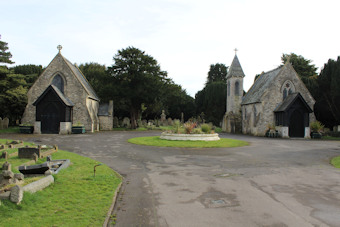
(218,201)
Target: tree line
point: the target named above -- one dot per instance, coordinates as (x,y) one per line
(141,89)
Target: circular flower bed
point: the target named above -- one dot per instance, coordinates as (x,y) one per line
(198,137)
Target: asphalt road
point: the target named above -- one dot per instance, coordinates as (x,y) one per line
(271,182)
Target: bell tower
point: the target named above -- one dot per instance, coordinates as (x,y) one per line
(235,77)
(232,121)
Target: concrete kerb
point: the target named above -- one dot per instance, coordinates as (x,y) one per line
(114,199)
(39,184)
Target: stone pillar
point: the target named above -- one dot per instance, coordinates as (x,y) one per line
(284,132)
(307,133)
(37,127)
(65,128)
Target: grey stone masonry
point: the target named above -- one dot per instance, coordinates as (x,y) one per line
(76,89)
(27,152)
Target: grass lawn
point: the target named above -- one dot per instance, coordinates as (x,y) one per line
(336,162)
(330,138)
(12,129)
(156,141)
(75,199)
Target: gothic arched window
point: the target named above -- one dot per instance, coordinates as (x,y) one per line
(58,82)
(284,93)
(287,89)
(237,88)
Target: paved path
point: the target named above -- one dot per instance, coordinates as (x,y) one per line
(272,182)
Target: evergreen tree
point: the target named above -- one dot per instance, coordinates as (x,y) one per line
(211,100)
(327,107)
(137,79)
(217,72)
(5,55)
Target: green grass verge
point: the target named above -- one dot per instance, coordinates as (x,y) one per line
(330,138)
(12,129)
(336,162)
(75,199)
(156,141)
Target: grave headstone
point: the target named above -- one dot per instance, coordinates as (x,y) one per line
(17,194)
(35,157)
(27,152)
(0,123)
(5,123)
(170,122)
(19,176)
(144,123)
(7,174)
(163,118)
(4,155)
(126,122)
(7,166)
(182,118)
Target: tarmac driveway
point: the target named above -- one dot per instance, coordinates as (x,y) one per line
(271,182)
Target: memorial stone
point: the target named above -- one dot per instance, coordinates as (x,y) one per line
(5,123)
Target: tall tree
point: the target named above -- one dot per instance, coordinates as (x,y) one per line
(327,107)
(211,100)
(217,72)
(177,101)
(31,72)
(137,79)
(98,77)
(5,55)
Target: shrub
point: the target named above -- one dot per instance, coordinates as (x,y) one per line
(189,126)
(197,131)
(316,126)
(206,128)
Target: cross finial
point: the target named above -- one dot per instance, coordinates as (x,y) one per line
(235,50)
(59,47)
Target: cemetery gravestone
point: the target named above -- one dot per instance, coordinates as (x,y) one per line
(5,123)
(126,122)
(0,123)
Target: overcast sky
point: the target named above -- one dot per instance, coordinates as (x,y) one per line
(184,36)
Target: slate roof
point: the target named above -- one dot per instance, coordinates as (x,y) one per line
(235,70)
(256,91)
(289,100)
(83,81)
(62,97)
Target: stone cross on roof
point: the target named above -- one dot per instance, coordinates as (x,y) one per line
(59,47)
(235,50)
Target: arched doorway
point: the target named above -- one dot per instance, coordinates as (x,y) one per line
(50,121)
(296,124)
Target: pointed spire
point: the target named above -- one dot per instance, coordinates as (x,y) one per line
(235,69)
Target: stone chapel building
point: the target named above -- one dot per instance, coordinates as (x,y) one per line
(60,97)
(277,98)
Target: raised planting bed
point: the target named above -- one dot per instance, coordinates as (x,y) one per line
(193,137)
(78,129)
(26,129)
